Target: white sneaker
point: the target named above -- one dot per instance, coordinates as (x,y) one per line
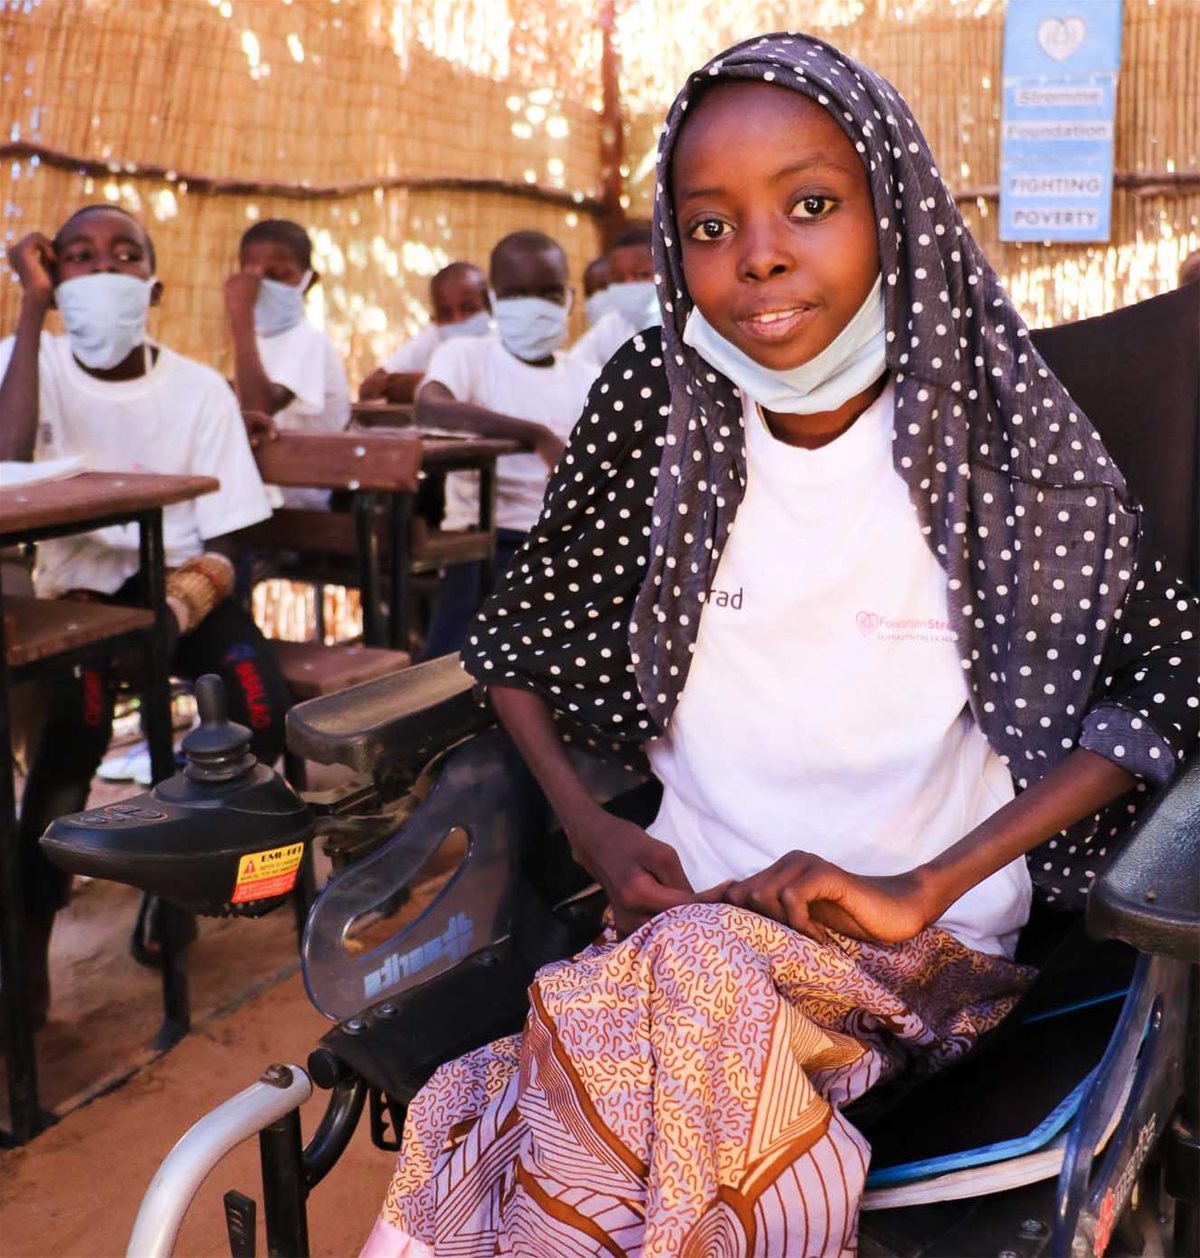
(132,765)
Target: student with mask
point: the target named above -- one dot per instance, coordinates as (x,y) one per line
(517,386)
(107,393)
(596,279)
(630,304)
(458,303)
(287,372)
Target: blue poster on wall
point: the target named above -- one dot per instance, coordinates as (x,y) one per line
(1061,61)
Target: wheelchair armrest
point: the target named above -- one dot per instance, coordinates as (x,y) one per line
(1149,896)
(409,716)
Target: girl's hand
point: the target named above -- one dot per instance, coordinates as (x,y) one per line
(641,875)
(810,894)
(32,258)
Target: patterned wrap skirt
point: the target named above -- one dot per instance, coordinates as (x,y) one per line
(678,1093)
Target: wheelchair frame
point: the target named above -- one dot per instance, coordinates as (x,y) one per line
(1142,899)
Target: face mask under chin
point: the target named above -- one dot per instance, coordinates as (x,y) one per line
(853,361)
(104,316)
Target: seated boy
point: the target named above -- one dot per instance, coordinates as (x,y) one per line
(288,374)
(596,279)
(514,385)
(630,301)
(124,403)
(458,302)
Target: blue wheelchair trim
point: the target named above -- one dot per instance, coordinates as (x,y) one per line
(1002,1151)
(1117,994)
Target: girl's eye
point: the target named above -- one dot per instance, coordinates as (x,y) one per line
(812,207)
(710,229)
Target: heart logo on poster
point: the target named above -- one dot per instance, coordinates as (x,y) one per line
(1060,37)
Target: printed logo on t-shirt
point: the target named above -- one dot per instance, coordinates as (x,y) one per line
(726,598)
(903,628)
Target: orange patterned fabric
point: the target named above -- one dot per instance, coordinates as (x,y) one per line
(678,1093)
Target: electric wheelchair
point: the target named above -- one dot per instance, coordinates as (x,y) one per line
(1070,1130)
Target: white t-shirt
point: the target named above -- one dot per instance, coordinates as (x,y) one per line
(479,369)
(602,340)
(305,361)
(414,354)
(826,707)
(179,419)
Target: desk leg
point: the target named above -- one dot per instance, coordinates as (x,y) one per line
(173,922)
(368,568)
(21,1064)
(399,620)
(487,522)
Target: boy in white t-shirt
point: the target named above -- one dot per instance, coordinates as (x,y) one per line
(514,385)
(629,303)
(105,392)
(458,302)
(288,373)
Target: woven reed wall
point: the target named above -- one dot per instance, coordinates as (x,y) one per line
(362,120)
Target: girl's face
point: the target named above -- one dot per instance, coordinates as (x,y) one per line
(775,219)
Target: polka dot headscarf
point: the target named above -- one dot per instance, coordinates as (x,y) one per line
(1069,632)
(996,455)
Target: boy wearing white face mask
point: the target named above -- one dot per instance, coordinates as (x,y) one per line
(288,374)
(514,385)
(629,303)
(596,279)
(125,404)
(458,305)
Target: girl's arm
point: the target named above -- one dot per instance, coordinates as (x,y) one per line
(1143,722)
(809,893)
(641,875)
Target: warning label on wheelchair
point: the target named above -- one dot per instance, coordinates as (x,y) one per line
(264,874)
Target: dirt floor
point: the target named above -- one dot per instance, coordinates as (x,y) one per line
(75,1190)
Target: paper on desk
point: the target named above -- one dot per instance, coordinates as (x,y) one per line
(13,475)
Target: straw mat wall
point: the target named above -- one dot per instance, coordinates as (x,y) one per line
(404,133)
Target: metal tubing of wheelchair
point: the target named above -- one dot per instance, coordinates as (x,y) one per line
(1148,1028)
(188,1164)
(335,1129)
(284,1187)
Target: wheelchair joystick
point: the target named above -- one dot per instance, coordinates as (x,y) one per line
(218,749)
(226,835)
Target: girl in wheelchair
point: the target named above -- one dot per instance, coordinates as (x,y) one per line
(930,674)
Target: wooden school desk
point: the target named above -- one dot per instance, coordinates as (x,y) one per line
(38,636)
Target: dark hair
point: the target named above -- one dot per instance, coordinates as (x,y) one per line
(119,209)
(281,231)
(468,270)
(526,242)
(638,232)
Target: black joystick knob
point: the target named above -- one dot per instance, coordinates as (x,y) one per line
(218,749)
